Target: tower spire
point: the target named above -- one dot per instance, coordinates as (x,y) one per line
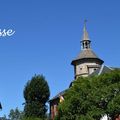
(85,33)
(85,40)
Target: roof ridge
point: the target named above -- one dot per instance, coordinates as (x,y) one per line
(101,69)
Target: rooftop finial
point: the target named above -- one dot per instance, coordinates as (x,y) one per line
(85,21)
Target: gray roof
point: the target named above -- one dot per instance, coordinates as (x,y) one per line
(103,69)
(58,95)
(85,33)
(87,53)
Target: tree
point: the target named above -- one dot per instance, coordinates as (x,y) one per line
(15,114)
(3,118)
(91,98)
(36,94)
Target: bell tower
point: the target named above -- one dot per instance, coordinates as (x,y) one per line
(85,40)
(87,61)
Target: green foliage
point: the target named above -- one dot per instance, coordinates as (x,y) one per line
(32,118)
(92,97)
(36,94)
(3,118)
(15,114)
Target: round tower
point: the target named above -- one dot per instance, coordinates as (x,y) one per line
(87,61)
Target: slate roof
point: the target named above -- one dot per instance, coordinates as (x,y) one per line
(57,96)
(86,54)
(103,69)
(85,33)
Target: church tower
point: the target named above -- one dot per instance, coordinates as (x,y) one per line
(87,61)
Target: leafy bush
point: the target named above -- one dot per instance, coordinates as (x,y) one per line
(92,97)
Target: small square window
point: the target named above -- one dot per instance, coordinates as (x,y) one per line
(80,68)
(95,69)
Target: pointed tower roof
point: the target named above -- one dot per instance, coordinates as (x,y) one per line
(85,33)
(86,52)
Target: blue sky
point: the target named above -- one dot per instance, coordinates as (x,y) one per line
(47,39)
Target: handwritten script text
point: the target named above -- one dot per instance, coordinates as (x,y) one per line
(4,32)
